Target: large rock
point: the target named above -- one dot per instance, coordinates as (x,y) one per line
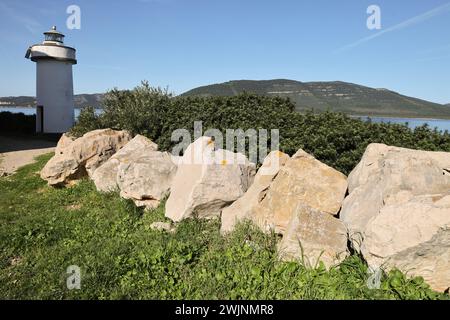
(79,158)
(303,180)
(398,205)
(207,181)
(146,178)
(430,260)
(105,177)
(139,172)
(299,200)
(63,142)
(390,175)
(314,236)
(402,225)
(243,208)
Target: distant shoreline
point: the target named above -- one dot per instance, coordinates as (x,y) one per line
(350,115)
(402,117)
(32,107)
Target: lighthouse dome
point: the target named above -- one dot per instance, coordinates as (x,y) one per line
(52,48)
(53,36)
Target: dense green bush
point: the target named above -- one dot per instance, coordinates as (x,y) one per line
(17,123)
(87,121)
(334,138)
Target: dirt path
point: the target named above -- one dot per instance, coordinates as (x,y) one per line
(16,152)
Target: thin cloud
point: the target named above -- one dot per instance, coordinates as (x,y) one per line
(405,24)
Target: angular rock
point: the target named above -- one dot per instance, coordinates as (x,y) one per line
(146,178)
(430,260)
(139,172)
(388,174)
(207,181)
(105,177)
(64,142)
(399,226)
(243,208)
(302,180)
(312,236)
(81,157)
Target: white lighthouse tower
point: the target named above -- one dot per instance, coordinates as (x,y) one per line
(54,83)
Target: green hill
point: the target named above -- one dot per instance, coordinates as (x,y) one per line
(336,96)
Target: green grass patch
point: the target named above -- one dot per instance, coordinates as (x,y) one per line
(43,231)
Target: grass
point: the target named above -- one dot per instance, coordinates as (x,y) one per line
(43,231)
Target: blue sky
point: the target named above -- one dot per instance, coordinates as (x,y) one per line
(182,44)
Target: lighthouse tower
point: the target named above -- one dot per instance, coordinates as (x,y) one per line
(54,83)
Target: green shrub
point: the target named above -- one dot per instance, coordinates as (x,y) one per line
(333,138)
(87,121)
(140,111)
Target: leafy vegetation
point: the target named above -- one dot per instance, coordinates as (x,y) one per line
(45,230)
(333,138)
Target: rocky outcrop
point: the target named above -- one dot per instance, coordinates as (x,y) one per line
(105,177)
(147,178)
(388,174)
(207,181)
(399,201)
(429,260)
(314,236)
(402,225)
(298,200)
(75,159)
(243,208)
(303,180)
(63,142)
(139,172)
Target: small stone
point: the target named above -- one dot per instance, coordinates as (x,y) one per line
(162,226)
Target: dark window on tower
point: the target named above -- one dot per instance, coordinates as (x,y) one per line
(53,37)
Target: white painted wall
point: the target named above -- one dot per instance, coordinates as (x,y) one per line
(54,51)
(54,91)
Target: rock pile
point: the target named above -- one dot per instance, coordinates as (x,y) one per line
(298,201)
(394,208)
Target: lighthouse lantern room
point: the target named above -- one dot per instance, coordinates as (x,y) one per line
(54,83)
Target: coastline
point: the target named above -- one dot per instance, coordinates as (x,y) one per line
(403,117)
(406,117)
